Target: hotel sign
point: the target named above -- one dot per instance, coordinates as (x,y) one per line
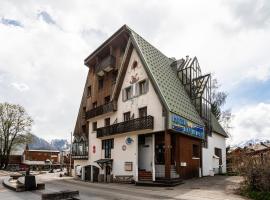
(182,125)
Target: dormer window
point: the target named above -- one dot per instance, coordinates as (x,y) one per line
(127,93)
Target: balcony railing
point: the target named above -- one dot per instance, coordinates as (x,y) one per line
(107,64)
(127,126)
(100,110)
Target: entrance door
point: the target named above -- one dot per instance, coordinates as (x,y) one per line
(145,152)
(95,173)
(87,173)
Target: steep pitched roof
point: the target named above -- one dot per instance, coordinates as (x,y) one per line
(165,78)
(216,127)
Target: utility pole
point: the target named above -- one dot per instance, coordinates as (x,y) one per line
(70,155)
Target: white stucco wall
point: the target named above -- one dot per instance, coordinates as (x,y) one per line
(208,162)
(150,99)
(154,108)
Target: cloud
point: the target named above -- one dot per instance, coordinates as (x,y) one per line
(252,121)
(251,14)
(47,53)
(11,22)
(46,17)
(20,86)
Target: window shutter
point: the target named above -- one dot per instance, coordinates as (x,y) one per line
(131,91)
(137,89)
(124,95)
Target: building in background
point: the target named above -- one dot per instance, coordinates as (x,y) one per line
(38,159)
(145,116)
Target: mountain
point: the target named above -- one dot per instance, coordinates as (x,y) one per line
(252,142)
(55,144)
(39,143)
(60,144)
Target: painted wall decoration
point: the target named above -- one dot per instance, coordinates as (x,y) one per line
(134,78)
(182,125)
(129,140)
(124,147)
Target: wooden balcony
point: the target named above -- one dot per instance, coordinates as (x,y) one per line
(100,110)
(106,65)
(127,126)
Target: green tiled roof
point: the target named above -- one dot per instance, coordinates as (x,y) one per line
(216,127)
(168,84)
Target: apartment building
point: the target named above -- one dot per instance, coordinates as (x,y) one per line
(144,116)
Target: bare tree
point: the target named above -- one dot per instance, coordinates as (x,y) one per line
(15,128)
(218,99)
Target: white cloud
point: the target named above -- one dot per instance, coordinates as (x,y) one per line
(261,73)
(20,86)
(251,122)
(48,57)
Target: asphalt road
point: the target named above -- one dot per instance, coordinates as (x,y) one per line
(220,188)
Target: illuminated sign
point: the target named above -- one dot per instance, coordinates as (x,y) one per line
(182,125)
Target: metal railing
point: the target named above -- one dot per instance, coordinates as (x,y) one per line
(105,108)
(127,126)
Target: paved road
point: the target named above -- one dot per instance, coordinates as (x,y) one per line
(218,187)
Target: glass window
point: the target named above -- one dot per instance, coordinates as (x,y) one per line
(142,87)
(107,122)
(107,145)
(195,151)
(94,126)
(100,84)
(127,116)
(128,93)
(89,92)
(142,112)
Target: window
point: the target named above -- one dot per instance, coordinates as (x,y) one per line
(142,112)
(218,152)
(94,105)
(127,93)
(84,128)
(107,99)
(100,84)
(94,126)
(126,116)
(89,92)
(142,87)
(195,151)
(84,112)
(107,145)
(107,122)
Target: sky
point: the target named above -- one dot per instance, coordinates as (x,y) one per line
(43,45)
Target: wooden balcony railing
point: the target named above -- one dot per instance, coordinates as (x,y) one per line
(127,126)
(100,110)
(107,64)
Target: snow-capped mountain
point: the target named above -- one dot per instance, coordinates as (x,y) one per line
(252,142)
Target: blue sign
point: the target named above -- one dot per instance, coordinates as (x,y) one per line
(180,124)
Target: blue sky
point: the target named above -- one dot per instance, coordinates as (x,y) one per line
(45,43)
